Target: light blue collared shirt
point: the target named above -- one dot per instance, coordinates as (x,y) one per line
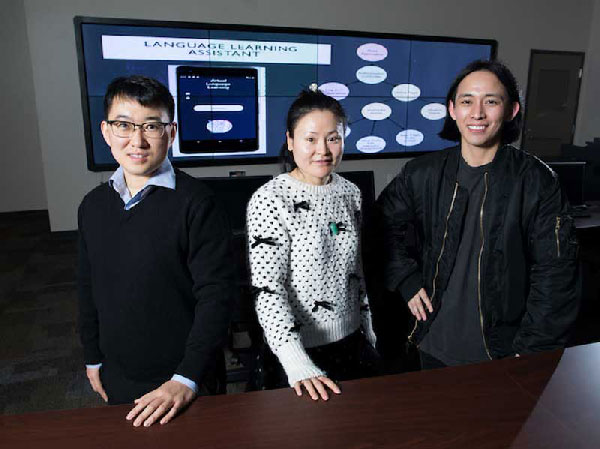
(164,177)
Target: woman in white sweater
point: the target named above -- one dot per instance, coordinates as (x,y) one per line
(303,239)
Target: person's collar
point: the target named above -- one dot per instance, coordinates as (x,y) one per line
(117,182)
(499,155)
(163,177)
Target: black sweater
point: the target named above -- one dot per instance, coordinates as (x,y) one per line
(156,282)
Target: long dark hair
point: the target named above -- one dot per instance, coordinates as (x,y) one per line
(306,102)
(512,129)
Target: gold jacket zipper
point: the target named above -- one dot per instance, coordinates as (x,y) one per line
(437,265)
(485,177)
(556,229)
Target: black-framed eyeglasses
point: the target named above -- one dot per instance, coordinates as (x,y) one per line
(122,128)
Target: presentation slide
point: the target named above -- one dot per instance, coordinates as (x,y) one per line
(233,86)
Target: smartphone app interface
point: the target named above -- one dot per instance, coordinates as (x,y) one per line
(217,106)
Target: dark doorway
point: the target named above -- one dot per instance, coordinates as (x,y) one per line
(552,98)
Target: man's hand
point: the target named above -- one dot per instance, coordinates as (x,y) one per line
(316,387)
(93,375)
(418,303)
(165,401)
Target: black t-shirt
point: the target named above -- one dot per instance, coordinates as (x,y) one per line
(455,336)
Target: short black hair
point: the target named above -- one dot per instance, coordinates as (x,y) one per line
(512,129)
(146,91)
(307,101)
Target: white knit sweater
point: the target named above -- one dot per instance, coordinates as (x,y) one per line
(305,267)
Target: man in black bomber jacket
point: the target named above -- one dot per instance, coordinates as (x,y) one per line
(478,240)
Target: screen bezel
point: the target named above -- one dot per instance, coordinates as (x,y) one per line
(201,162)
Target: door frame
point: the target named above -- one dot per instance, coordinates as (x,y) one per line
(527,98)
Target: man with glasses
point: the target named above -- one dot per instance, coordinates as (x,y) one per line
(155,273)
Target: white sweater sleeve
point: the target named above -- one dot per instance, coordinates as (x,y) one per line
(269,249)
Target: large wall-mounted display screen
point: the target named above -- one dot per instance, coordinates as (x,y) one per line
(234,84)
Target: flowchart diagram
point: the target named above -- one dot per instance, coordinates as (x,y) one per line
(382,111)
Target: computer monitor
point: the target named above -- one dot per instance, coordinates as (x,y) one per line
(232,84)
(590,154)
(571,176)
(365,181)
(234,194)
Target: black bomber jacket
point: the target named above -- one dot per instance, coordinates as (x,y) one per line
(527,263)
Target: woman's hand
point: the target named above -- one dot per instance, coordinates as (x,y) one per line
(316,386)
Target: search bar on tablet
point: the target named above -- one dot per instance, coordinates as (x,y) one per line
(218,108)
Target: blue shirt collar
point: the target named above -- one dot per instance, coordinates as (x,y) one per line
(163,177)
